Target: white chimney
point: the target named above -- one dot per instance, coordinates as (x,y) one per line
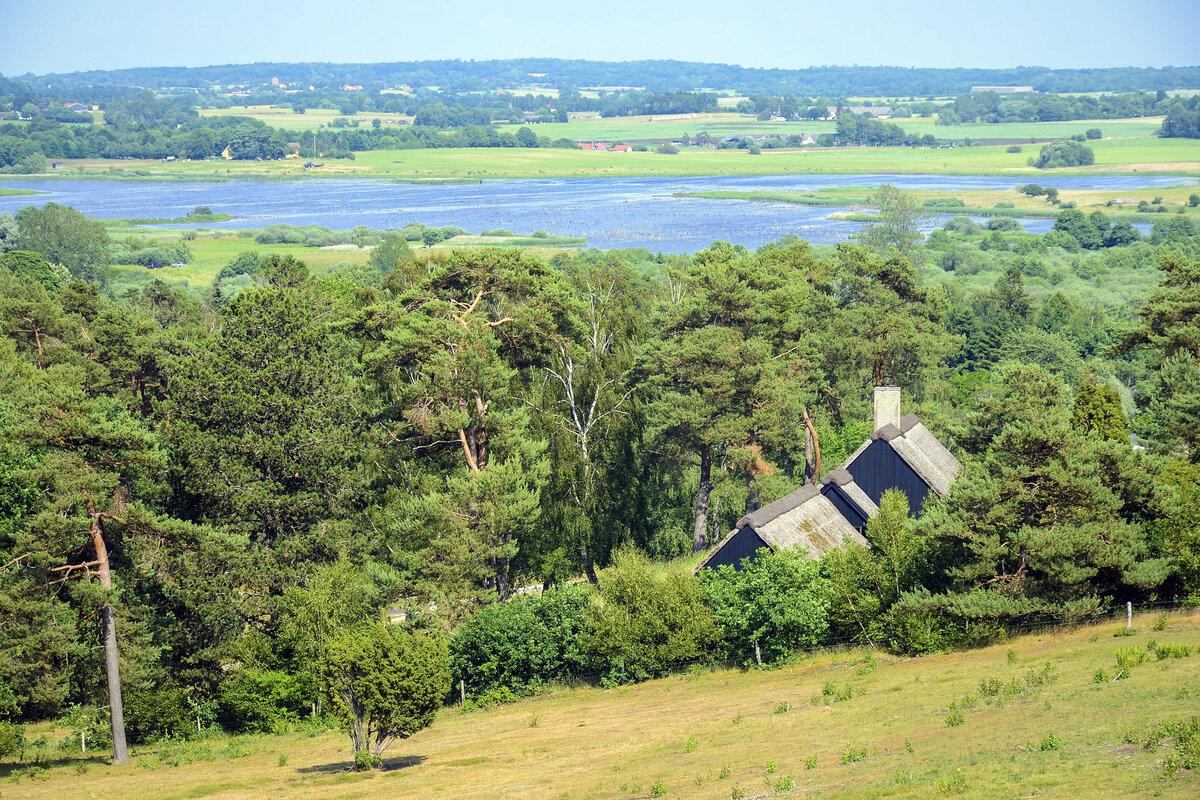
(887,406)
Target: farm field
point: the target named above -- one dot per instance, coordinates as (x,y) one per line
(1118,156)
(311,119)
(1030,718)
(588,126)
(719,125)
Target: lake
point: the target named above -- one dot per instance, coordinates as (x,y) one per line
(610,212)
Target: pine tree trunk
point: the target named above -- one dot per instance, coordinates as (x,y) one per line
(700,532)
(112,661)
(112,666)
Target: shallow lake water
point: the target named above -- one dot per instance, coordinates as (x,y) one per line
(610,212)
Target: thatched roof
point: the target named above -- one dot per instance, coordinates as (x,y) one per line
(928,457)
(803,519)
(807,519)
(845,481)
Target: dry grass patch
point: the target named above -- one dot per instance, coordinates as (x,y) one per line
(849,730)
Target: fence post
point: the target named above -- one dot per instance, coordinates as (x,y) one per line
(462,692)
(1128,614)
(757,653)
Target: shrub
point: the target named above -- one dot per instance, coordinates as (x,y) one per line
(1092,133)
(668,149)
(12,740)
(954,719)
(1165,651)
(1131,656)
(1161,623)
(522,643)
(385,685)
(261,700)
(1049,743)
(646,619)
(852,754)
(776,600)
(1013,148)
(1064,154)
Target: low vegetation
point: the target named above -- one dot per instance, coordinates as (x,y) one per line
(1059,738)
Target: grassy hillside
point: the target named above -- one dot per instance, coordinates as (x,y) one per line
(1022,719)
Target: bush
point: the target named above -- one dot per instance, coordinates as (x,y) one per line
(524,642)
(1013,148)
(944,202)
(646,619)
(1092,133)
(1064,154)
(385,685)
(262,700)
(162,713)
(1131,656)
(668,149)
(1165,651)
(776,600)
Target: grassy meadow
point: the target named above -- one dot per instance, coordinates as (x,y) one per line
(210,252)
(978,202)
(1115,157)
(1029,718)
(589,126)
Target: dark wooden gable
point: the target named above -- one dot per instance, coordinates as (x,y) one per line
(879,468)
(845,506)
(745,543)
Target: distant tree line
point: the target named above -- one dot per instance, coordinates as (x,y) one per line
(655,75)
(1183,119)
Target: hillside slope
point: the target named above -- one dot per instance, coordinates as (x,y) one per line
(845,725)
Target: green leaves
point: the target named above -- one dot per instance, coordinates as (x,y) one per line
(385,684)
(777,603)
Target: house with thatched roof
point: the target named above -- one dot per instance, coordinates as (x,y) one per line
(900,454)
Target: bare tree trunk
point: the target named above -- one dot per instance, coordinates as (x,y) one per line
(112,662)
(811,432)
(700,532)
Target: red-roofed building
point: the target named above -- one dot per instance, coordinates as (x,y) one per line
(622,148)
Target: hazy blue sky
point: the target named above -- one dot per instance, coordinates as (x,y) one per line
(66,35)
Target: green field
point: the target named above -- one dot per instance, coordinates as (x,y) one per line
(311,119)
(981,202)
(1115,157)
(16,192)
(1036,721)
(589,126)
(720,125)
(210,254)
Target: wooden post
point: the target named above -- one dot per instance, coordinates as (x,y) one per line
(83,741)
(462,692)
(757,653)
(1128,615)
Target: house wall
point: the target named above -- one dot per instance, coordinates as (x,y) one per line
(879,468)
(742,544)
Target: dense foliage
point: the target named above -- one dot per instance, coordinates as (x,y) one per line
(274,462)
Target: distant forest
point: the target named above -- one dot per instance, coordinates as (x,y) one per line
(658,75)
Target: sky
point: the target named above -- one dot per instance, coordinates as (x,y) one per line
(41,36)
